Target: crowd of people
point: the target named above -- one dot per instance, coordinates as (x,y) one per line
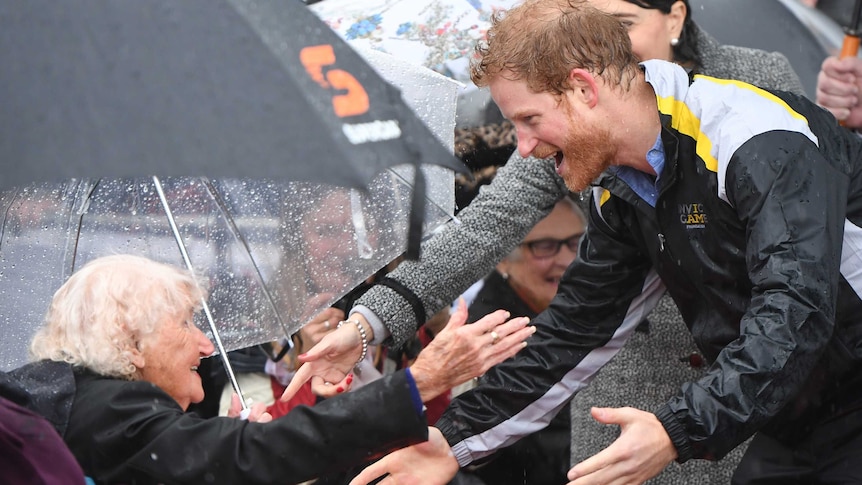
(520,195)
(661,280)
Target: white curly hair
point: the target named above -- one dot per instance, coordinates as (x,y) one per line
(107,308)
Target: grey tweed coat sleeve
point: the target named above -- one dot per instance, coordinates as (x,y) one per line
(522,193)
(770,70)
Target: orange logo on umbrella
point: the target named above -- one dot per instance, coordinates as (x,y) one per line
(355,101)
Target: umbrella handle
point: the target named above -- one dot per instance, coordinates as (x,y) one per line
(850,47)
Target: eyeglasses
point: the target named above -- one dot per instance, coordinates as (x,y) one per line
(548,248)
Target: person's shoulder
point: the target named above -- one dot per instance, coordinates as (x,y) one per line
(745,60)
(111,390)
(44,387)
(771,70)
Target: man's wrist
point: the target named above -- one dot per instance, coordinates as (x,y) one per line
(676,433)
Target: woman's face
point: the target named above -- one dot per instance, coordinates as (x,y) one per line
(170,358)
(536,279)
(329,241)
(650,30)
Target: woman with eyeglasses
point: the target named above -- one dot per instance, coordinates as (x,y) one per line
(524,283)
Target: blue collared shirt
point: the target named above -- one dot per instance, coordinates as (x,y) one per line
(642,183)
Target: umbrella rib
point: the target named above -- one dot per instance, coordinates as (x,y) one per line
(179,239)
(235,232)
(6,210)
(78,215)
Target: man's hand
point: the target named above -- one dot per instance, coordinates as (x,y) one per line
(838,88)
(428,463)
(461,352)
(641,452)
(257,412)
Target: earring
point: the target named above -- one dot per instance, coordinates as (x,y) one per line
(674,41)
(505,275)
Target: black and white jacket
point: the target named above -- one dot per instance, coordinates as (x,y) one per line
(759,194)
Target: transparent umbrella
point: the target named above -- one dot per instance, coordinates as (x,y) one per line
(264,249)
(241,236)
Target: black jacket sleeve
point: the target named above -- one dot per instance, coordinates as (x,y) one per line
(132,432)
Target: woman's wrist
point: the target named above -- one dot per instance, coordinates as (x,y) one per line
(363,339)
(369,330)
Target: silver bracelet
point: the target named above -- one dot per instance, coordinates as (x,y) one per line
(364,338)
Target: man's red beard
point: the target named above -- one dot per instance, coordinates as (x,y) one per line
(587,154)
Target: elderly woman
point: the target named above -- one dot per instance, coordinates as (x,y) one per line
(119,356)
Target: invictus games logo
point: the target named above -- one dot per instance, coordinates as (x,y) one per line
(692,216)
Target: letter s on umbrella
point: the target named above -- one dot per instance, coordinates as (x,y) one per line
(355,102)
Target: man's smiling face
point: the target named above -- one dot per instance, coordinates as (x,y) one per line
(555,126)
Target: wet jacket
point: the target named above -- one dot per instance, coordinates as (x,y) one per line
(759,193)
(133,433)
(522,193)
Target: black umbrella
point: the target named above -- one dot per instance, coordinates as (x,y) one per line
(805,35)
(220,88)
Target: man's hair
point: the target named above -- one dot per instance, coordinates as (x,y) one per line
(541,41)
(105,310)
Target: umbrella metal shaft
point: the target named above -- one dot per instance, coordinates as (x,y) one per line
(222,353)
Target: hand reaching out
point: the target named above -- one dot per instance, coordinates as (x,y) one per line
(330,360)
(461,352)
(319,326)
(428,463)
(458,353)
(641,452)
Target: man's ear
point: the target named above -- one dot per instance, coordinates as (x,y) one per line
(584,87)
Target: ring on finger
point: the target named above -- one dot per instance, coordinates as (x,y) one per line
(326,324)
(494,337)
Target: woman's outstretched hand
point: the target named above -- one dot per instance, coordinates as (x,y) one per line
(330,361)
(461,352)
(458,353)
